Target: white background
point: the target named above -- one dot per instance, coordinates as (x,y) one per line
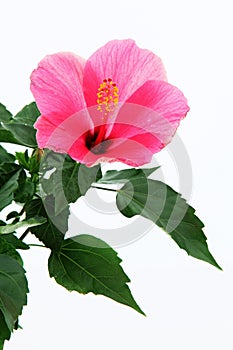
(188,303)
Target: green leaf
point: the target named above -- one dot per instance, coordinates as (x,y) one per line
(15,242)
(52,232)
(69,181)
(87,264)
(122,176)
(28,115)
(12,215)
(62,180)
(7,248)
(26,188)
(5,115)
(4,331)
(21,126)
(77,179)
(23,159)
(13,290)
(32,163)
(6,136)
(159,203)
(7,190)
(22,133)
(6,157)
(26,192)
(35,221)
(7,170)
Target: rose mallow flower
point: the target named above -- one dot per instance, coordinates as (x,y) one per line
(116,106)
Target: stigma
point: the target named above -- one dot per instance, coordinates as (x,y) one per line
(107,97)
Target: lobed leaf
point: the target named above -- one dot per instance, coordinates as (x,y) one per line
(122,176)
(32,222)
(26,188)
(23,159)
(13,214)
(52,232)
(7,170)
(69,181)
(20,127)
(4,331)
(5,115)
(87,264)
(6,157)
(15,241)
(8,249)
(7,190)
(5,135)
(159,203)
(13,296)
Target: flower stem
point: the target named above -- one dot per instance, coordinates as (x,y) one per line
(104,188)
(24,234)
(22,210)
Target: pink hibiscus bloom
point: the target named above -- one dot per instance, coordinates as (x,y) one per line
(116,106)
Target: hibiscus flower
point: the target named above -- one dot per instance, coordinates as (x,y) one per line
(116,106)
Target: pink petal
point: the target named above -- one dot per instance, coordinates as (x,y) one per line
(59,135)
(163,98)
(156,108)
(57,84)
(137,132)
(124,62)
(129,144)
(130,152)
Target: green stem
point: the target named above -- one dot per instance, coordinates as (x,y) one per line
(104,188)
(24,234)
(22,210)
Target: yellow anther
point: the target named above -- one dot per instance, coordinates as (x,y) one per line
(107,97)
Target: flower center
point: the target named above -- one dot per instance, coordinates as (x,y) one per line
(107,97)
